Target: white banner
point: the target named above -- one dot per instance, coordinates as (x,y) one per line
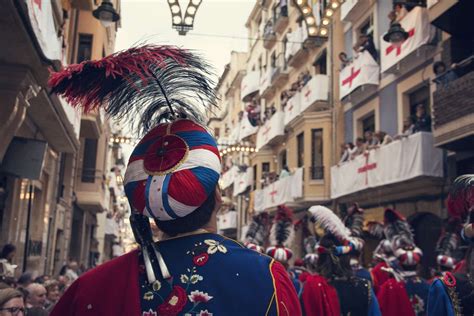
(227,220)
(283,191)
(246,129)
(73,115)
(315,90)
(41,18)
(266,79)
(250,84)
(228,177)
(417,24)
(242,181)
(295,41)
(271,129)
(361,71)
(398,161)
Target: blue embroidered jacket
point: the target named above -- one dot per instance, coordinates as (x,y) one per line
(211,275)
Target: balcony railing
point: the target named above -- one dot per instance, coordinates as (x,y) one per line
(314,93)
(453,109)
(271,131)
(396,162)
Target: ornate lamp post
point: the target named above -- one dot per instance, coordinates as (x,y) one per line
(186,23)
(106,13)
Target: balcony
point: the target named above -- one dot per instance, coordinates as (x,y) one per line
(313,96)
(91,125)
(415,49)
(250,85)
(284,191)
(269,36)
(280,72)
(266,89)
(242,180)
(296,54)
(358,77)
(227,221)
(246,129)
(271,132)
(228,177)
(352,10)
(91,193)
(411,165)
(453,110)
(281,19)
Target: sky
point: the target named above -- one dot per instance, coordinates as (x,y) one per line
(223,20)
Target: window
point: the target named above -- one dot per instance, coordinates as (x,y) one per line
(317,167)
(300,149)
(265,167)
(89,160)
(254,184)
(419,96)
(320,65)
(282,159)
(368,123)
(84,51)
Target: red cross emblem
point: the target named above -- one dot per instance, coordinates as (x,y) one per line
(38,3)
(353,75)
(392,47)
(307,94)
(273,193)
(366,168)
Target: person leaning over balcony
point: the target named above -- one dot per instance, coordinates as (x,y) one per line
(443,77)
(346,149)
(408,128)
(172,176)
(383,138)
(344,60)
(370,141)
(359,148)
(422,121)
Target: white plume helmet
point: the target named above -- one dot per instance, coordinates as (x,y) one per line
(330,222)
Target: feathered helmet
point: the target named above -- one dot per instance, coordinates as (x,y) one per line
(162,90)
(333,225)
(257,232)
(461,204)
(398,232)
(281,235)
(448,244)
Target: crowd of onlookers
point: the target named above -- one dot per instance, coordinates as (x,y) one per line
(30,294)
(296,87)
(420,122)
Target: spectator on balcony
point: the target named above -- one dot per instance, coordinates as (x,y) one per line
(371,142)
(306,77)
(284,99)
(443,77)
(294,88)
(346,149)
(408,128)
(344,60)
(285,172)
(398,13)
(366,43)
(383,138)
(284,7)
(359,148)
(422,121)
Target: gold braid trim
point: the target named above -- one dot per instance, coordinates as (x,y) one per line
(453,296)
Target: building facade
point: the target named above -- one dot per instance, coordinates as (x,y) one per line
(310,95)
(42,130)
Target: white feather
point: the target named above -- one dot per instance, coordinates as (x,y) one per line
(330,221)
(291,235)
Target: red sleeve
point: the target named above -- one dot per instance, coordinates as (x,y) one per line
(319,298)
(287,300)
(379,276)
(66,304)
(393,299)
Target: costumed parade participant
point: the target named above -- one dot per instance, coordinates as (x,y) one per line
(453,293)
(257,233)
(171,177)
(404,271)
(354,221)
(335,290)
(447,247)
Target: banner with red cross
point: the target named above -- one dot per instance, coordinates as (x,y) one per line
(250,83)
(396,162)
(417,24)
(361,71)
(272,128)
(246,129)
(283,191)
(242,181)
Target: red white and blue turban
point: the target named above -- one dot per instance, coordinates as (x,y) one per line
(170,162)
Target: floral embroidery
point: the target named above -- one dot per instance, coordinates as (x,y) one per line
(214,246)
(184,279)
(199,297)
(195,278)
(201,259)
(174,303)
(150,313)
(204,313)
(417,304)
(156,286)
(148,296)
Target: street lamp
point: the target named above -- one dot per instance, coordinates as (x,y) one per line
(396,34)
(106,13)
(186,23)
